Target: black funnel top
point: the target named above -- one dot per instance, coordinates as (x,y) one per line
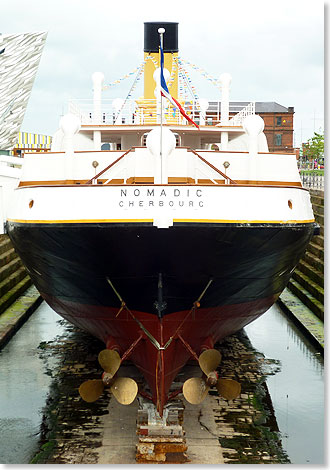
(151,37)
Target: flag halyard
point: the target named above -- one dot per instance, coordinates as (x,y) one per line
(164,90)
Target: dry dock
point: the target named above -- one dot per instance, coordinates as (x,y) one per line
(239,431)
(218,431)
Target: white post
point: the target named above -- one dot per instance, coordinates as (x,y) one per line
(153,145)
(98,79)
(70,125)
(253,126)
(225,80)
(203,104)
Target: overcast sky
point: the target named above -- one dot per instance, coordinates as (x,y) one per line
(274,50)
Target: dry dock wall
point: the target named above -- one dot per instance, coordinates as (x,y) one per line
(14,280)
(18,298)
(303,299)
(307,282)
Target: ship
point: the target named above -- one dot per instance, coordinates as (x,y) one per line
(160,232)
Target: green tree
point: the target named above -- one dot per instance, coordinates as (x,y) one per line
(314,149)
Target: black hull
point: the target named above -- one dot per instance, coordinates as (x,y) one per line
(75,262)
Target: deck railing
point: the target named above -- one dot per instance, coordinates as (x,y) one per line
(243,113)
(143,111)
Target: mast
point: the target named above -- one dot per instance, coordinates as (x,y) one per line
(161,32)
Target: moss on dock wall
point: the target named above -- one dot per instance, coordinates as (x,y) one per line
(307,282)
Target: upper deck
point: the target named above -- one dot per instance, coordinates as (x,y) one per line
(125,123)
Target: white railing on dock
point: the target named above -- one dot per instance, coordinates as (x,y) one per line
(123,112)
(312,181)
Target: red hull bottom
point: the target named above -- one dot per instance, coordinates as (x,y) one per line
(160,347)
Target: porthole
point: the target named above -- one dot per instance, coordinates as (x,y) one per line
(31,203)
(290,203)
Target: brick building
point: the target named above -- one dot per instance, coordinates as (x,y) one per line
(278,125)
(278,122)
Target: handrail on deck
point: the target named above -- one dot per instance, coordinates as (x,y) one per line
(108,167)
(189,150)
(213,167)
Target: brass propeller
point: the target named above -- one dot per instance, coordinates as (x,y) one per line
(209,360)
(228,388)
(124,389)
(196,389)
(109,360)
(91,390)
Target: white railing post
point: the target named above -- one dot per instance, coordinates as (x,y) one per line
(98,79)
(203,104)
(225,80)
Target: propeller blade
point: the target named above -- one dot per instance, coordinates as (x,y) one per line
(109,360)
(228,388)
(124,390)
(91,390)
(195,390)
(209,360)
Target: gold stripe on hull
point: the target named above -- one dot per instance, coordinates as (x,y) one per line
(190,221)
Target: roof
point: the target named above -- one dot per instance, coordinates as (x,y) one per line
(261,106)
(270,107)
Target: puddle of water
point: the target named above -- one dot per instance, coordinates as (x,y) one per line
(297,391)
(24,387)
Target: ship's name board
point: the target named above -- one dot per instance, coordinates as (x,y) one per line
(161,197)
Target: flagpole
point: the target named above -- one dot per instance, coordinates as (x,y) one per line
(161,31)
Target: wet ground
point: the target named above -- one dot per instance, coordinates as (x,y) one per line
(75,432)
(51,369)
(297,390)
(24,387)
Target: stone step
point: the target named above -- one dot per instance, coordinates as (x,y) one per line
(13,294)
(17,313)
(318,194)
(307,299)
(5,244)
(311,286)
(318,209)
(316,250)
(3,237)
(318,240)
(314,261)
(7,256)
(314,274)
(303,317)
(322,230)
(320,220)
(317,200)
(10,267)
(13,279)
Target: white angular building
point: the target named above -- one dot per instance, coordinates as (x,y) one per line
(19,59)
